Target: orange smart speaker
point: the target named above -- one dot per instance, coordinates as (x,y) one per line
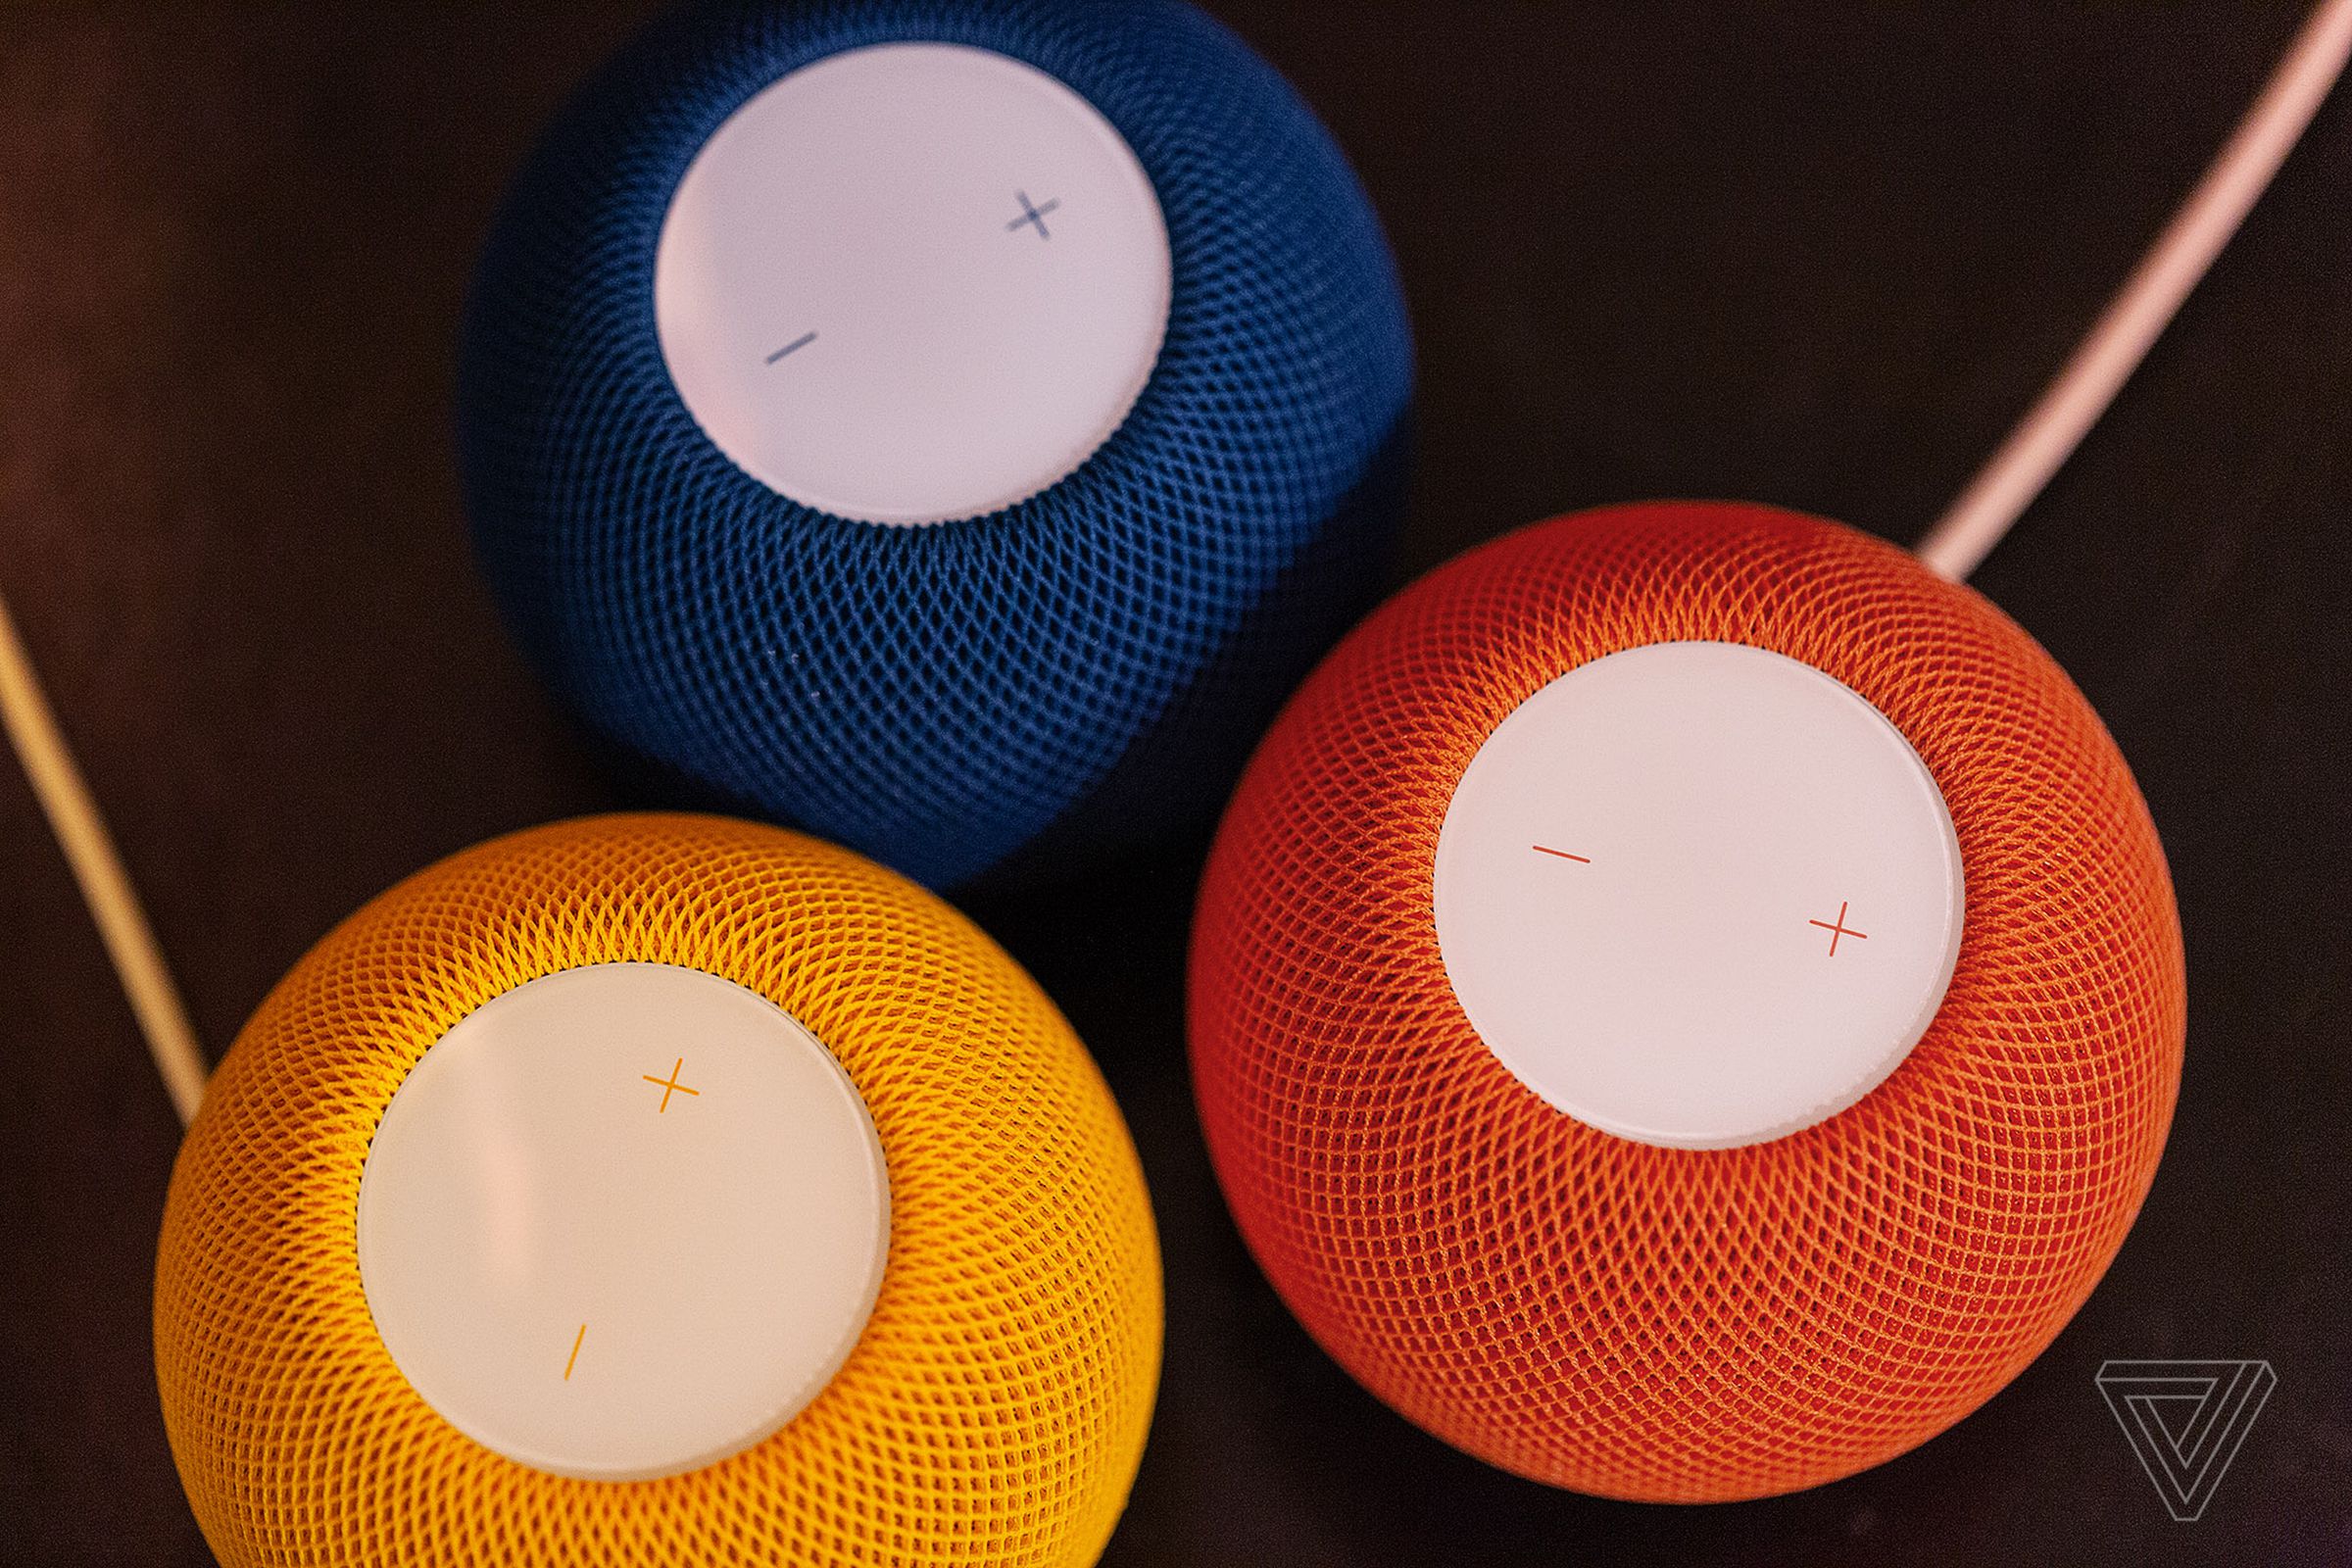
(1687,1002)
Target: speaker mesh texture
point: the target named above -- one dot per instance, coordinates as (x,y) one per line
(1656,1323)
(994,1411)
(937,696)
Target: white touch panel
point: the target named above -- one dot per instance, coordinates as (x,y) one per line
(913,282)
(623,1221)
(1698,895)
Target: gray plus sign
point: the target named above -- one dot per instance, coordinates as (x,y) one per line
(1033,215)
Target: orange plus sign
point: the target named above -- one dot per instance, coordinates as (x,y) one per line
(671,1084)
(1839,929)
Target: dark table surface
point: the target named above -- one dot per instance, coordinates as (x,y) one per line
(1814,254)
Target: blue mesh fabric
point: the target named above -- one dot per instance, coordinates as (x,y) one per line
(1091,662)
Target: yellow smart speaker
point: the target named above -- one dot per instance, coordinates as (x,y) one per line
(656,1190)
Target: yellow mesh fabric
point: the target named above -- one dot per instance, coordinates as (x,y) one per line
(994,1411)
(1659,1323)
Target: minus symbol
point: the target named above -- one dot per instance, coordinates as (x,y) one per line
(793,347)
(1581,859)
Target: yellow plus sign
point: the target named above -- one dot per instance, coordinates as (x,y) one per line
(671,1084)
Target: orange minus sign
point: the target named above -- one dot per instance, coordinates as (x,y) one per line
(1581,859)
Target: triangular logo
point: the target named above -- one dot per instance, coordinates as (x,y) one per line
(2185,1420)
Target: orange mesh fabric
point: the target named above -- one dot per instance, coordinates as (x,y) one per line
(1667,1324)
(994,1411)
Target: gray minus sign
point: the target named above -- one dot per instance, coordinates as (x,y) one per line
(793,347)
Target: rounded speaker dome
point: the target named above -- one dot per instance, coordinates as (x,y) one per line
(1585,1037)
(949,428)
(657,1189)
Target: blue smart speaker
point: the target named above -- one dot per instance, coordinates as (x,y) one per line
(949,426)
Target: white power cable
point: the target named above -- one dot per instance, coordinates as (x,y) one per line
(2048,435)
(105,886)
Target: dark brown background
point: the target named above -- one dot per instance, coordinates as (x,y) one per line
(1813,253)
